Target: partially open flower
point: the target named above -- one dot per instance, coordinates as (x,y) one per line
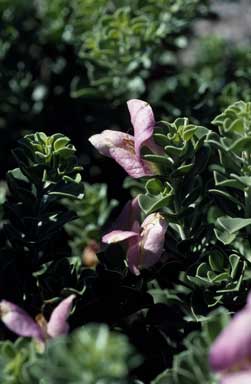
(18,321)
(124,148)
(145,242)
(230,355)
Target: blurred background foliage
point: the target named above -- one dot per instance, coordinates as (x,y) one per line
(215,74)
(120,42)
(91,355)
(93,212)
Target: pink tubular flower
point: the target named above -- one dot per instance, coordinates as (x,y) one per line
(231,352)
(18,321)
(124,148)
(145,242)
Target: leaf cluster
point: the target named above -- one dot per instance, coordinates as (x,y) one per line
(212,74)
(191,365)
(203,190)
(89,355)
(119,42)
(47,172)
(93,212)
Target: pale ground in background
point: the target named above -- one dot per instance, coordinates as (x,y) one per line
(234,23)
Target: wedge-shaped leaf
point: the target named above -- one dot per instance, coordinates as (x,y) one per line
(61,142)
(189,131)
(233,224)
(182,170)
(226,195)
(224,236)
(154,186)
(243,180)
(159,159)
(201,132)
(215,323)
(161,139)
(224,181)
(165,377)
(216,261)
(175,151)
(150,203)
(224,276)
(243,144)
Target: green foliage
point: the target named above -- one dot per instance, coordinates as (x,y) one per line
(50,163)
(235,124)
(212,75)
(232,174)
(3,192)
(191,365)
(22,91)
(184,155)
(90,355)
(47,172)
(203,190)
(218,274)
(13,357)
(34,217)
(93,212)
(119,42)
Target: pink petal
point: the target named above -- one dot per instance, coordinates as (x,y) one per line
(129,215)
(58,325)
(233,345)
(249,300)
(143,122)
(18,321)
(133,255)
(126,158)
(117,236)
(237,378)
(153,237)
(108,139)
(120,146)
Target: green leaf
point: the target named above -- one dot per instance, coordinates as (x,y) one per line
(165,377)
(217,321)
(224,236)
(159,160)
(226,196)
(233,224)
(154,186)
(243,144)
(150,203)
(216,261)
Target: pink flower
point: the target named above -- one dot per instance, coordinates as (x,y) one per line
(144,242)
(18,321)
(231,352)
(124,148)
(237,378)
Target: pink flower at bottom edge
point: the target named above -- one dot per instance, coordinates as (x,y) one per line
(237,378)
(230,354)
(21,323)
